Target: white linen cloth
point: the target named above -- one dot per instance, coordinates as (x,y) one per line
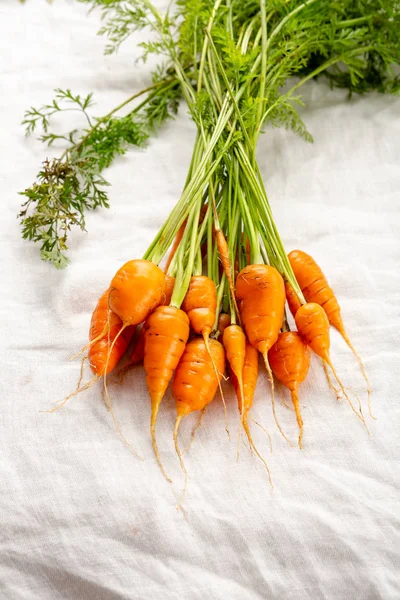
(80,517)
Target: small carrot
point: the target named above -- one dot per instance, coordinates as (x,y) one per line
(313,326)
(234,342)
(195,383)
(135,291)
(315,288)
(109,340)
(260,291)
(166,332)
(245,401)
(105,327)
(289,358)
(102,318)
(200,304)
(137,353)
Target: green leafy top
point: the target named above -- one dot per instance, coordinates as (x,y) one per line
(238,65)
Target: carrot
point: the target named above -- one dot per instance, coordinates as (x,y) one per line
(165,335)
(261,294)
(313,326)
(292,299)
(105,327)
(315,288)
(234,342)
(195,383)
(200,304)
(245,401)
(135,290)
(104,317)
(137,353)
(109,340)
(289,358)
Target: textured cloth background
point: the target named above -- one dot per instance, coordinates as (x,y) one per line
(80,517)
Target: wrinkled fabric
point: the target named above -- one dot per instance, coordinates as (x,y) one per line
(80,517)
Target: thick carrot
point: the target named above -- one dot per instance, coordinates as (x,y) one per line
(166,332)
(313,326)
(245,401)
(260,291)
(196,382)
(289,358)
(315,288)
(135,291)
(292,299)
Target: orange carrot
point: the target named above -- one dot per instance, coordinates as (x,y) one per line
(165,335)
(315,288)
(105,327)
(313,326)
(292,299)
(261,294)
(261,291)
(289,358)
(200,304)
(234,342)
(245,402)
(104,318)
(135,290)
(196,382)
(137,354)
(109,340)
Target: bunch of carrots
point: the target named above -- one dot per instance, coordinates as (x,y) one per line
(206,300)
(209,297)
